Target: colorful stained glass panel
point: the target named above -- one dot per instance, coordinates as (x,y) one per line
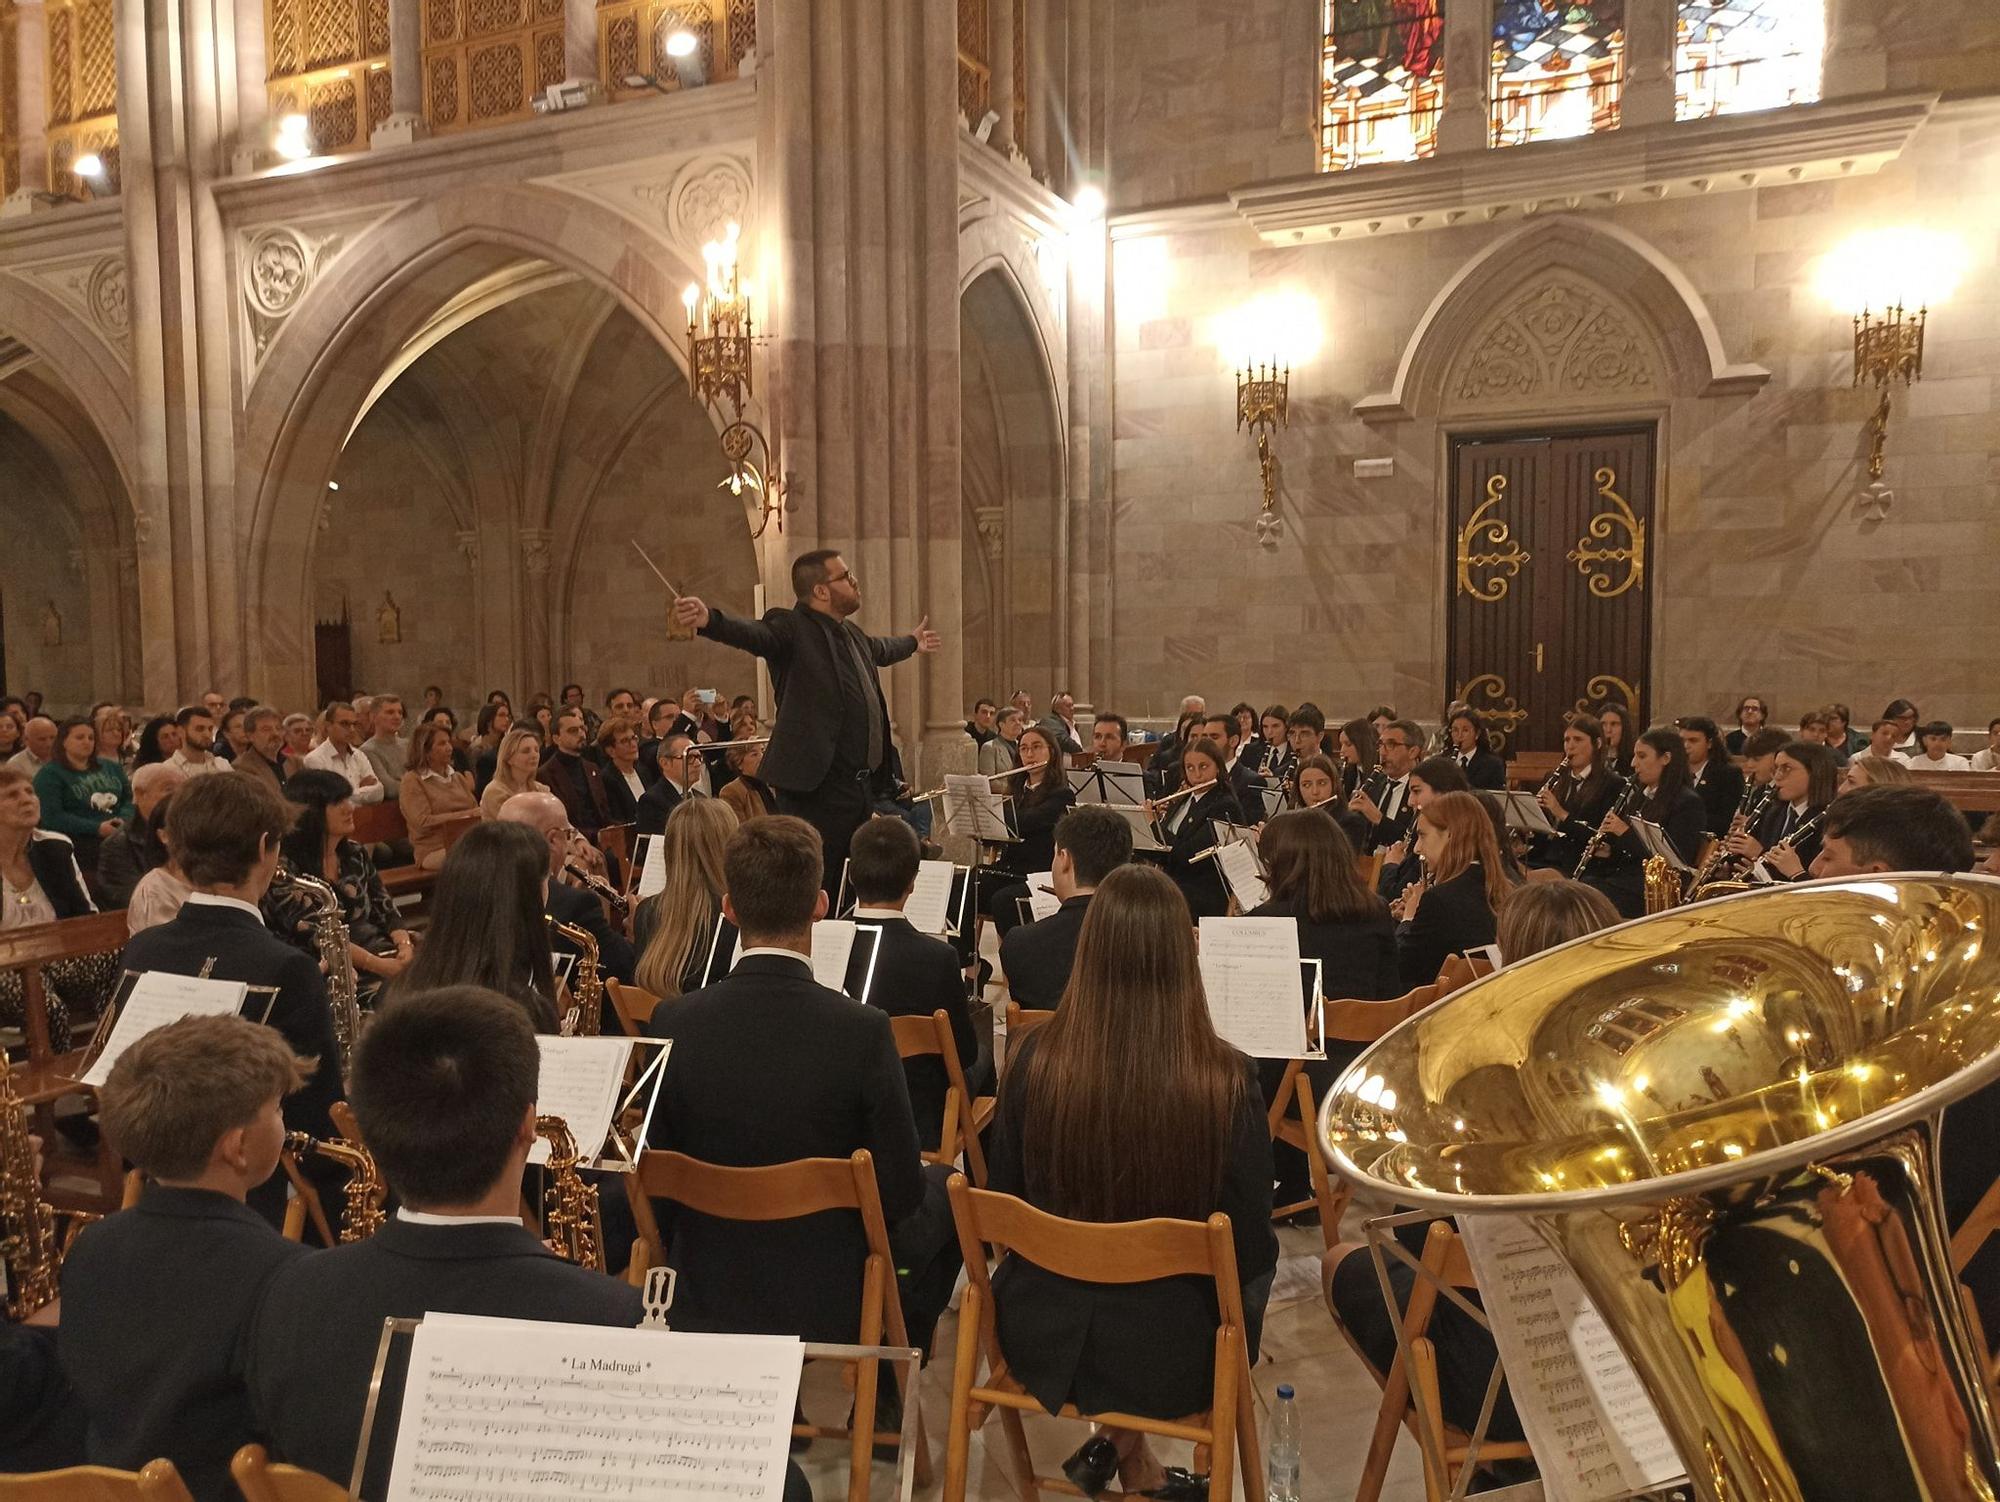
(1558,69)
(1381,81)
(1733,56)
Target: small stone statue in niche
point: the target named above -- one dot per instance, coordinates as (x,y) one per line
(51,625)
(388,620)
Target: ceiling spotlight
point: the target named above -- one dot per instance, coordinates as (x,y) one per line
(294,141)
(90,164)
(333,484)
(682,43)
(1089,202)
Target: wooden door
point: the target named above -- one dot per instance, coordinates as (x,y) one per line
(333,659)
(1549,573)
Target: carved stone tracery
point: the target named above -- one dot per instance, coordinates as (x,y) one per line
(1560,336)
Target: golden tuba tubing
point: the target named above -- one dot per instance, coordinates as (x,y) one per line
(1726,1118)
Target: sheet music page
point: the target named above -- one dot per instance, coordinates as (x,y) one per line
(1143,837)
(833,947)
(1245,876)
(1042,899)
(653,872)
(157,999)
(1656,841)
(523,1410)
(1524,811)
(580,1082)
(929,907)
(1250,970)
(972,808)
(1594,1430)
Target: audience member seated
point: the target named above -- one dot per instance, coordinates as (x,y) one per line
(1989,759)
(387,752)
(574,778)
(1189,827)
(112,729)
(1937,755)
(1003,752)
(680,926)
(495,720)
(1061,724)
(915,973)
(1090,842)
(158,1299)
(38,746)
(618,759)
(517,771)
(1456,909)
(136,848)
(1041,796)
(746,792)
(162,890)
(84,796)
(224,833)
(444,1094)
(319,844)
(435,797)
(159,739)
(13,734)
(679,774)
(196,755)
(573,905)
(262,754)
(40,882)
(769,1066)
(1883,737)
(1543,914)
(488,923)
(1752,713)
(340,752)
(1124,1107)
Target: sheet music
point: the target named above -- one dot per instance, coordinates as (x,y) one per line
(1524,811)
(929,907)
(1143,837)
(1655,839)
(521,1410)
(580,1082)
(157,999)
(833,947)
(1042,899)
(973,809)
(1594,1430)
(653,867)
(1117,783)
(1250,970)
(1244,873)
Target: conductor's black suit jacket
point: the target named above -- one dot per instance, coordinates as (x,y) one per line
(821,707)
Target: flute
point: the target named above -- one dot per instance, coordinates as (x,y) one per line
(937,793)
(1186,792)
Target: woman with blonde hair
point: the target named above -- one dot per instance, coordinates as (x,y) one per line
(1543,914)
(677,927)
(1871,771)
(1454,906)
(514,770)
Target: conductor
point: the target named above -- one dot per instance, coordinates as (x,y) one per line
(830,756)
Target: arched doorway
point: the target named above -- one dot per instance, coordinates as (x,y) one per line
(1011,468)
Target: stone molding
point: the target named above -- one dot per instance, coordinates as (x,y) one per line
(94,286)
(278,264)
(1559,339)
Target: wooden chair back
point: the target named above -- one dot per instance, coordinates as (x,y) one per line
(786,1191)
(156,1481)
(1370,867)
(1024,1020)
(1131,1252)
(972,1113)
(1459,970)
(261,1479)
(455,829)
(615,840)
(1139,755)
(633,1006)
(1528,770)
(916,1038)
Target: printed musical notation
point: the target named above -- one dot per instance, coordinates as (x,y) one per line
(1250,970)
(580,1081)
(929,906)
(512,1409)
(156,999)
(1594,1430)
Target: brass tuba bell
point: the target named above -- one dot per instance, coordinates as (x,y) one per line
(1726,1118)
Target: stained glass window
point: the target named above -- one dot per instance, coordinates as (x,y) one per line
(1558,68)
(1731,56)
(1381,81)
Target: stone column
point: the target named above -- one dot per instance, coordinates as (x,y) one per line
(30,101)
(535,661)
(1855,62)
(580,44)
(1083,554)
(1466,123)
(1000,34)
(253,104)
(1651,27)
(1039,80)
(405,121)
(859,125)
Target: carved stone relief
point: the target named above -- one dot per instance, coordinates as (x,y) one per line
(991,523)
(1560,337)
(278,264)
(95,288)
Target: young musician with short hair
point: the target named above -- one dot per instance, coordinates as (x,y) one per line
(1710,772)
(1303,728)
(1660,784)
(444,1093)
(1455,909)
(1090,843)
(1481,764)
(158,1299)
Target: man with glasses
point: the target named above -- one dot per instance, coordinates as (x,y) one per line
(1388,813)
(340,752)
(564,902)
(830,757)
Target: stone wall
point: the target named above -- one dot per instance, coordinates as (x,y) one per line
(41,567)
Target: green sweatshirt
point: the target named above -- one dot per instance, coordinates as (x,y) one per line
(76,803)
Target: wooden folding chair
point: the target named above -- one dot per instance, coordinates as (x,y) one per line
(975,1112)
(917,1038)
(786,1191)
(1294,1113)
(633,1006)
(1457,971)
(1966,1242)
(1023,1020)
(1129,1252)
(1444,1450)
(260,1479)
(1370,867)
(156,1481)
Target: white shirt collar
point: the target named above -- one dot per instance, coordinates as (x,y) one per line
(425,1218)
(211,899)
(781,953)
(881,914)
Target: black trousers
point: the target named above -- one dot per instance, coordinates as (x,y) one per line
(841,804)
(925,1245)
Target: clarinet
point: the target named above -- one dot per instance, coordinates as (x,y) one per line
(1617,809)
(618,901)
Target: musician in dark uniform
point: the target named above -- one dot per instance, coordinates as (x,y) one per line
(1576,796)
(1481,764)
(1662,796)
(1711,773)
(1188,827)
(1804,780)
(830,756)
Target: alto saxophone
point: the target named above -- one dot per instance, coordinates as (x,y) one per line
(586,1013)
(362,1215)
(28,1249)
(330,939)
(572,1226)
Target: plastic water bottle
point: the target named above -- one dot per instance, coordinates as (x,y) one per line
(1281,1450)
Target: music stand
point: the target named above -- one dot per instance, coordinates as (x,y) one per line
(1118,784)
(120,993)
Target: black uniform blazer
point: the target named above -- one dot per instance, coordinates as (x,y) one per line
(1146,1348)
(1035,823)
(52,857)
(1720,790)
(819,720)
(915,975)
(1357,956)
(1390,830)
(41,1417)
(243,949)
(580,909)
(312,1348)
(620,799)
(656,807)
(1452,917)
(1684,823)
(1247,782)
(1037,957)
(157,1305)
(1584,808)
(1485,770)
(1772,826)
(769,1066)
(1202,884)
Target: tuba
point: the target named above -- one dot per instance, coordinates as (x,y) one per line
(330,940)
(1726,1120)
(362,1215)
(571,1224)
(29,1254)
(586,1012)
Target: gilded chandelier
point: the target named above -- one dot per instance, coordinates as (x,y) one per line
(1262,395)
(721,338)
(1887,350)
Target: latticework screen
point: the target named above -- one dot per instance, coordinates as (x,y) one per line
(329,61)
(82,93)
(632,41)
(10,148)
(975,61)
(484,60)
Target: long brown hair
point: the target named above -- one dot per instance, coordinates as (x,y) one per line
(1130,1098)
(1468,837)
(697,832)
(1313,867)
(1051,779)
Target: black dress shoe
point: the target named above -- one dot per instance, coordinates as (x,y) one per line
(1093,1467)
(1181,1485)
